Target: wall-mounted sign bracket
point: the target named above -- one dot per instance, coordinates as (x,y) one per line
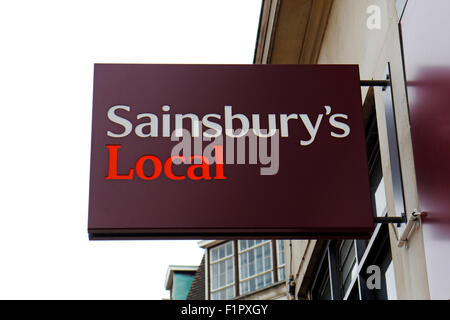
(375,83)
(414,219)
(394,155)
(385,220)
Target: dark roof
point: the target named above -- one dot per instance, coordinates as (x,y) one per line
(197,291)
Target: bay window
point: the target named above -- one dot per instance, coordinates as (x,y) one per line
(222,272)
(240,267)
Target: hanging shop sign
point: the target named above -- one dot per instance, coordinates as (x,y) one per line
(228,151)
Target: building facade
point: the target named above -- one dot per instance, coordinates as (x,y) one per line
(407,135)
(244,269)
(407,124)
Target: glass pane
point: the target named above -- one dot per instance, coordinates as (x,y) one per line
(242,245)
(280,246)
(267,249)
(250,243)
(380,199)
(348,263)
(222,281)
(267,263)
(267,257)
(259,260)
(268,279)
(260,282)
(244,287)
(243,265)
(230,292)
(344,249)
(230,271)
(251,263)
(325,293)
(252,285)
(214,277)
(229,249)
(214,256)
(281,274)
(221,252)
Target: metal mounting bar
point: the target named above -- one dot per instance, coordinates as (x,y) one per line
(385,220)
(375,83)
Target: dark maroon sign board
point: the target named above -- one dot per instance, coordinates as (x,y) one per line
(321,187)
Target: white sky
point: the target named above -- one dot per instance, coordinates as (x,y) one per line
(47,52)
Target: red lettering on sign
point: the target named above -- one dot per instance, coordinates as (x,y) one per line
(112,165)
(194,171)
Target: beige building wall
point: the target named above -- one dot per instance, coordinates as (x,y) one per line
(348,40)
(342,36)
(277,291)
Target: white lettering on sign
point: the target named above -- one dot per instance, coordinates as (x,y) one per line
(150,126)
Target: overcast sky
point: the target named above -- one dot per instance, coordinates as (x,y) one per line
(47,51)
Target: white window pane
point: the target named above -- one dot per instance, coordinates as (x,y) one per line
(380,199)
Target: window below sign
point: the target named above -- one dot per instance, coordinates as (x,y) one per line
(257,264)
(222,272)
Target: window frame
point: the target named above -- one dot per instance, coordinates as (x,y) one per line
(249,277)
(277,261)
(236,252)
(216,262)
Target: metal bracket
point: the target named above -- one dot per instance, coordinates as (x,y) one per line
(375,83)
(384,84)
(393,144)
(414,218)
(386,220)
(409,228)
